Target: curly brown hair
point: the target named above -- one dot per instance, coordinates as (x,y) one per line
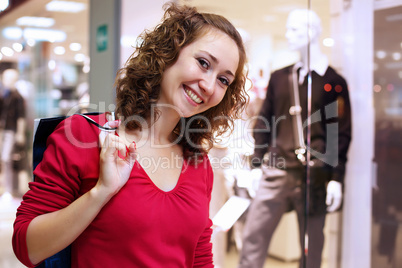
(138,82)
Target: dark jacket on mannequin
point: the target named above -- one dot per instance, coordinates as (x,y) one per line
(330,127)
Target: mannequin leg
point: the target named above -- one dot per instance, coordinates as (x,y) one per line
(262,219)
(315,229)
(6,161)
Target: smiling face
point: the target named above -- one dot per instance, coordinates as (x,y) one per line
(204,69)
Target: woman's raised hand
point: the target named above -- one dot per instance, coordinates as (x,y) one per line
(116,161)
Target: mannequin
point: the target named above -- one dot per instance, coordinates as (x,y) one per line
(13,125)
(297,37)
(328,147)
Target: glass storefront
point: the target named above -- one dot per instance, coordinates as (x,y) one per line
(362,43)
(48,44)
(387,99)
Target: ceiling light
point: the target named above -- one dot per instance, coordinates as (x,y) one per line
(35,21)
(128,41)
(65,6)
(18,47)
(328,42)
(12,33)
(75,46)
(86,69)
(394,65)
(381,54)
(51,65)
(79,57)
(59,50)
(7,51)
(31,42)
(45,34)
(56,94)
(1,56)
(4,4)
(396,56)
(394,17)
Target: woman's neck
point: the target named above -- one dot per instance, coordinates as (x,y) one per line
(157,130)
(163,126)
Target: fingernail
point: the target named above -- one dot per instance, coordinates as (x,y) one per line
(135,145)
(121,155)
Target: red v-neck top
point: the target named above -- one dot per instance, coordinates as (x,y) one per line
(141,226)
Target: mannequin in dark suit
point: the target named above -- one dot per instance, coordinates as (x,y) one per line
(12,129)
(274,136)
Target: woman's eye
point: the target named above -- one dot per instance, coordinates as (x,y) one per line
(224,81)
(203,63)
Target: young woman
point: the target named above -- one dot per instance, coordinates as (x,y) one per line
(139,196)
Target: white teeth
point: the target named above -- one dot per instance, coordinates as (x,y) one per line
(193,97)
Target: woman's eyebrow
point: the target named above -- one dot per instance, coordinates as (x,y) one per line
(214,59)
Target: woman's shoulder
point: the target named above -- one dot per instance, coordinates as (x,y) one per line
(80,129)
(203,165)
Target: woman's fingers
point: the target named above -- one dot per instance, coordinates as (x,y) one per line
(108,125)
(114,124)
(131,154)
(114,145)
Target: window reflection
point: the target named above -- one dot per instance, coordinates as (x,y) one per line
(387,200)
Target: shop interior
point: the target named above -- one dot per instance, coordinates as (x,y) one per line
(48,44)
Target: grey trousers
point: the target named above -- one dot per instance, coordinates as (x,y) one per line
(7,143)
(273,199)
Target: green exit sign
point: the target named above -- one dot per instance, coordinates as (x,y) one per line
(102,38)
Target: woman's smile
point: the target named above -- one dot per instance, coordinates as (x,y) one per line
(193,97)
(204,69)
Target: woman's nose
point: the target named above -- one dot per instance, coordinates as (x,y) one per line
(207,84)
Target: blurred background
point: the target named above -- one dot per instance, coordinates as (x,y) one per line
(67,54)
